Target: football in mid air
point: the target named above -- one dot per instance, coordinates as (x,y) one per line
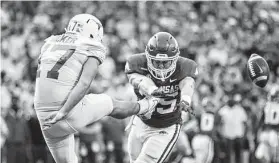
(258,70)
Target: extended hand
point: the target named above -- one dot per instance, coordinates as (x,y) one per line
(183,105)
(52,119)
(147,111)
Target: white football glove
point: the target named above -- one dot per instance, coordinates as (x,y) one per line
(147,106)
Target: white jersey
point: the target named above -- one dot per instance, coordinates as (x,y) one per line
(60,66)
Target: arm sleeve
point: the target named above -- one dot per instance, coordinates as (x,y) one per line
(92,48)
(136,64)
(194,71)
(145,85)
(187,68)
(131,68)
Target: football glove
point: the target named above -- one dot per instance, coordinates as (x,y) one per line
(184,105)
(147,106)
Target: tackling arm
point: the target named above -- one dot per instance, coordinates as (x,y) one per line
(145,85)
(187,87)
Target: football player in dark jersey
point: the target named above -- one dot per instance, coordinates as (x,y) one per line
(159,72)
(268,147)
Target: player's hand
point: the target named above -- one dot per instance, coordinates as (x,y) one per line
(150,105)
(52,119)
(183,105)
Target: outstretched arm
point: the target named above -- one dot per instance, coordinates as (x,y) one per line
(187,87)
(145,85)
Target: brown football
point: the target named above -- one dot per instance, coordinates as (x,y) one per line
(258,70)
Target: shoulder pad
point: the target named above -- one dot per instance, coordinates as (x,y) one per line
(49,38)
(136,63)
(186,68)
(47,43)
(92,48)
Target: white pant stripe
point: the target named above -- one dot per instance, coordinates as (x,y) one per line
(171,144)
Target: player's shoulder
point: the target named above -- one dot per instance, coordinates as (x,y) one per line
(47,44)
(186,67)
(136,63)
(182,60)
(51,40)
(137,59)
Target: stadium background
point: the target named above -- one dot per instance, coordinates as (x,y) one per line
(219,36)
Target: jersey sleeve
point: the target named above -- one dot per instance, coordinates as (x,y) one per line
(92,48)
(47,43)
(193,69)
(194,72)
(187,68)
(136,64)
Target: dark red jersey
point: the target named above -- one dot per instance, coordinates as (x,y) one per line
(166,112)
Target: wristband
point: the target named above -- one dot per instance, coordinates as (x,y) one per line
(186,98)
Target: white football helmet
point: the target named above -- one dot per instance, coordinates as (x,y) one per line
(86,25)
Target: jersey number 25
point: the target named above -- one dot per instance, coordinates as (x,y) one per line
(166,106)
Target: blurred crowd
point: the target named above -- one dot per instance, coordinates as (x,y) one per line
(219,36)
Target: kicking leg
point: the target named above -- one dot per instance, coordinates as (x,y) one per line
(123,109)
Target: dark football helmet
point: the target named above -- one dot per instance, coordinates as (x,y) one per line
(162,52)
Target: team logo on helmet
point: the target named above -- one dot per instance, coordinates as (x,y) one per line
(86,25)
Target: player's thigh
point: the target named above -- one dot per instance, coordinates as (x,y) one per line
(59,129)
(90,109)
(203,148)
(157,147)
(134,144)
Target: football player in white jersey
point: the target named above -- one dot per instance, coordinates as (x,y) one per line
(268,148)
(67,66)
